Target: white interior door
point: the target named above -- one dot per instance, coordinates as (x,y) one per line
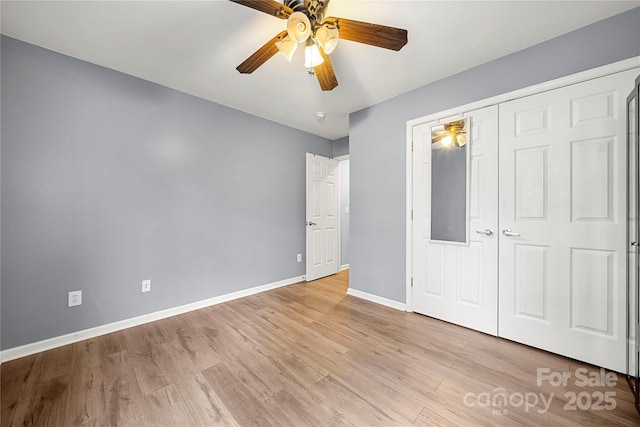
(322,217)
(563,221)
(453,282)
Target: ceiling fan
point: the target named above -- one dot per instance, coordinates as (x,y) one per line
(306,24)
(452,134)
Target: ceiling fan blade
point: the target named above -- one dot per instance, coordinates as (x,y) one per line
(269,7)
(457,124)
(371,34)
(324,73)
(261,55)
(437,137)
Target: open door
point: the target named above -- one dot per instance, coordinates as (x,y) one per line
(322,217)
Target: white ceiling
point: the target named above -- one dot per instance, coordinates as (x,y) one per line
(194,47)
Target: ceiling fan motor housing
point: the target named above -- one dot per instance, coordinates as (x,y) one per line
(296,5)
(314,9)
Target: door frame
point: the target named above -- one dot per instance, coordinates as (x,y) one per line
(616,67)
(341,159)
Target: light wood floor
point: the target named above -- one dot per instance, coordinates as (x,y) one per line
(306,354)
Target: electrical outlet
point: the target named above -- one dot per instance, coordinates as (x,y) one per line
(75,298)
(299,258)
(146,285)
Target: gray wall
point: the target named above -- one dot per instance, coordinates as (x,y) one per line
(340,147)
(108,180)
(377,138)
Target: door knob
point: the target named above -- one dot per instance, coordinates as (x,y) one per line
(509,233)
(635,244)
(486,232)
(311,223)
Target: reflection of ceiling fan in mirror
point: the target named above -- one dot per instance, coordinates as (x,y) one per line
(307,25)
(452,133)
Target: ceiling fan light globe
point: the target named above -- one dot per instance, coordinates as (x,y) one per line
(287,47)
(446,141)
(298,27)
(312,56)
(327,38)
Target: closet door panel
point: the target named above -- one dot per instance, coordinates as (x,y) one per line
(459,282)
(563,221)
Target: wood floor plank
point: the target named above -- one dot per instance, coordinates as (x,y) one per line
(17,382)
(86,360)
(304,354)
(404,379)
(350,401)
(298,369)
(322,412)
(240,400)
(437,414)
(47,404)
(288,411)
(163,407)
(371,387)
(203,403)
(121,390)
(257,373)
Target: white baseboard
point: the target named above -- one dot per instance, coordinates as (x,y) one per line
(378,300)
(344,267)
(48,344)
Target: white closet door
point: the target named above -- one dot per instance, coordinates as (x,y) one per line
(563,221)
(459,283)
